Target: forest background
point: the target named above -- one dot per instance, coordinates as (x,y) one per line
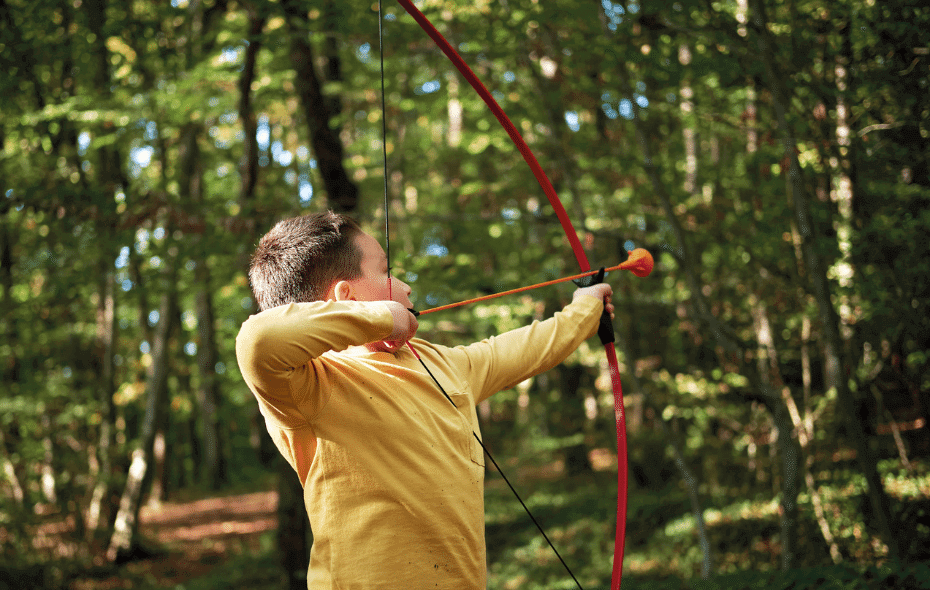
(773,155)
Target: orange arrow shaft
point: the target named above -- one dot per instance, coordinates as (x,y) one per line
(640,263)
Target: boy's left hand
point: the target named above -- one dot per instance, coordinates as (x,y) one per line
(600,291)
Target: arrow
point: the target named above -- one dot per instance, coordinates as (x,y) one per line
(640,263)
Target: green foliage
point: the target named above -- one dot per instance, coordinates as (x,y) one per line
(824,578)
(661,551)
(95,107)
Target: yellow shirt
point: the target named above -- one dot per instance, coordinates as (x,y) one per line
(393,474)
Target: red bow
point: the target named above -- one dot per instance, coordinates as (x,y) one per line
(572,237)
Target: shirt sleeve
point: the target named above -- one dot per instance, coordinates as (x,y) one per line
(275,348)
(502,361)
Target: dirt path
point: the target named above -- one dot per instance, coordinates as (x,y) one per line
(193,538)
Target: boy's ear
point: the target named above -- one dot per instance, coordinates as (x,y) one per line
(342,291)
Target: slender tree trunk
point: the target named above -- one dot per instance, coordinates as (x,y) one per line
(633,383)
(293,527)
(186,441)
(161,486)
(109,175)
(125,528)
(9,472)
(259,438)
(342,193)
(835,369)
(723,334)
(210,462)
(208,394)
(106,337)
(10,365)
(804,425)
(334,18)
(689,128)
(805,429)
(789,450)
(191,435)
(456,114)
(248,167)
(48,468)
(843,192)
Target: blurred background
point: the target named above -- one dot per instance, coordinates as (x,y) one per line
(772,155)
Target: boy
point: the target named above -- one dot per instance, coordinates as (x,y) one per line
(393,473)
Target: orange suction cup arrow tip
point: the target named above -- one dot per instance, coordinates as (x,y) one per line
(640,262)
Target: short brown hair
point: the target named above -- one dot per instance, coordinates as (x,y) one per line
(300,258)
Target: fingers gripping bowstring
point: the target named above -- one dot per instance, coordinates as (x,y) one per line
(387,249)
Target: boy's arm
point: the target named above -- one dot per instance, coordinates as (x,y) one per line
(502,361)
(274,348)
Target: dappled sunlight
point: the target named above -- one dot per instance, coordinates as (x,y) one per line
(772,156)
(222,522)
(185,540)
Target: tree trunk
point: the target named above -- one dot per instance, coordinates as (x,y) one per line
(248,167)
(570,418)
(722,333)
(789,450)
(192,436)
(689,128)
(110,176)
(293,527)
(161,469)
(106,337)
(48,468)
(805,429)
(123,541)
(9,472)
(835,366)
(343,196)
(324,136)
(208,394)
(189,178)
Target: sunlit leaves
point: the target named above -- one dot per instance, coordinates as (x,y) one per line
(92,172)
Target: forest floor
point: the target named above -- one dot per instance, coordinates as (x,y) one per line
(185,541)
(188,540)
(228,541)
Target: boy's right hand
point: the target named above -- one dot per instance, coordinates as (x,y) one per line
(405,326)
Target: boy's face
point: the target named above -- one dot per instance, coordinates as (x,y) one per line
(373,284)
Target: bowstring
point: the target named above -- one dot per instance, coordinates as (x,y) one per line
(501,472)
(387,213)
(387,250)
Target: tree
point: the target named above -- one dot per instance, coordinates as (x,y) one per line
(831,341)
(782,188)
